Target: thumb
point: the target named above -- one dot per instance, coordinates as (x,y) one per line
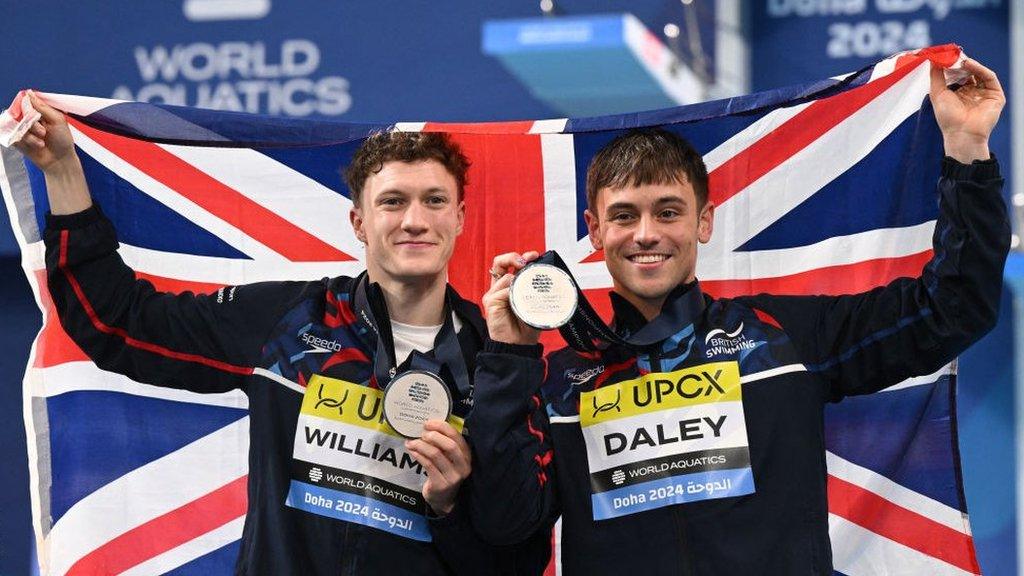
(49,113)
(938,80)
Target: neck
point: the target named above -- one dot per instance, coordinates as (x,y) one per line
(650,308)
(419,302)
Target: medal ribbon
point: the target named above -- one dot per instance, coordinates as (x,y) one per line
(587,332)
(447,351)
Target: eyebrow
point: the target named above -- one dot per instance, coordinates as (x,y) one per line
(659,202)
(404,192)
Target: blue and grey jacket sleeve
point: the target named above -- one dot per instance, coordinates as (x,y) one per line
(912,326)
(199,342)
(513,481)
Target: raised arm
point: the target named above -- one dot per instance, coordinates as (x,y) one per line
(513,483)
(865,342)
(204,343)
(49,145)
(968,114)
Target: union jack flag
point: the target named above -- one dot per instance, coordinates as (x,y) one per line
(821,188)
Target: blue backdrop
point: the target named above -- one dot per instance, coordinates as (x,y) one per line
(389,61)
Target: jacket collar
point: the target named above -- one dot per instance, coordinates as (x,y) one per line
(627,320)
(467,311)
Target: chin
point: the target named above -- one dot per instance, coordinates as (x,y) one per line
(658,294)
(655,290)
(418,272)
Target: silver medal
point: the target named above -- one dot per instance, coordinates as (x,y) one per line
(414,397)
(543,296)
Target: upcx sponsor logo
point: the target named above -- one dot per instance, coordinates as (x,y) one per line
(690,385)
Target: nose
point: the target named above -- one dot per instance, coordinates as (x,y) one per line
(414,220)
(646,232)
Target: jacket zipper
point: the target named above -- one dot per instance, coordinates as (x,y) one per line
(685,562)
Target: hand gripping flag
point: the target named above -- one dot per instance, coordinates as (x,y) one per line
(821,188)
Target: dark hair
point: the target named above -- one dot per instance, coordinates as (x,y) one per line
(647,156)
(383,147)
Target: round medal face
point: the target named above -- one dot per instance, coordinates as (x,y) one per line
(543,296)
(412,398)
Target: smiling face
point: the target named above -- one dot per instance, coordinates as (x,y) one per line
(409,215)
(649,234)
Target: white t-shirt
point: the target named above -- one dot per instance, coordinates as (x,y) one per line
(408,337)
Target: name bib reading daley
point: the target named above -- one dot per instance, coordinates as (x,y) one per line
(666,438)
(349,464)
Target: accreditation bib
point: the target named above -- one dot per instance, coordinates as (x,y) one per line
(349,464)
(666,438)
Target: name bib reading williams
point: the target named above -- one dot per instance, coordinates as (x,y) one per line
(666,438)
(349,464)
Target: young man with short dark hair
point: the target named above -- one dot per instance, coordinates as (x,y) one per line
(729,392)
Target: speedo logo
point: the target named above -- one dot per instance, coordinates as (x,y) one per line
(231,295)
(320,345)
(719,342)
(576,377)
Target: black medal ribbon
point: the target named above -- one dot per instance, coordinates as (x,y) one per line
(447,351)
(587,332)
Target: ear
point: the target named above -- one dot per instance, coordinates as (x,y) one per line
(461,216)
(706,222)
(593,229)
(355,217)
